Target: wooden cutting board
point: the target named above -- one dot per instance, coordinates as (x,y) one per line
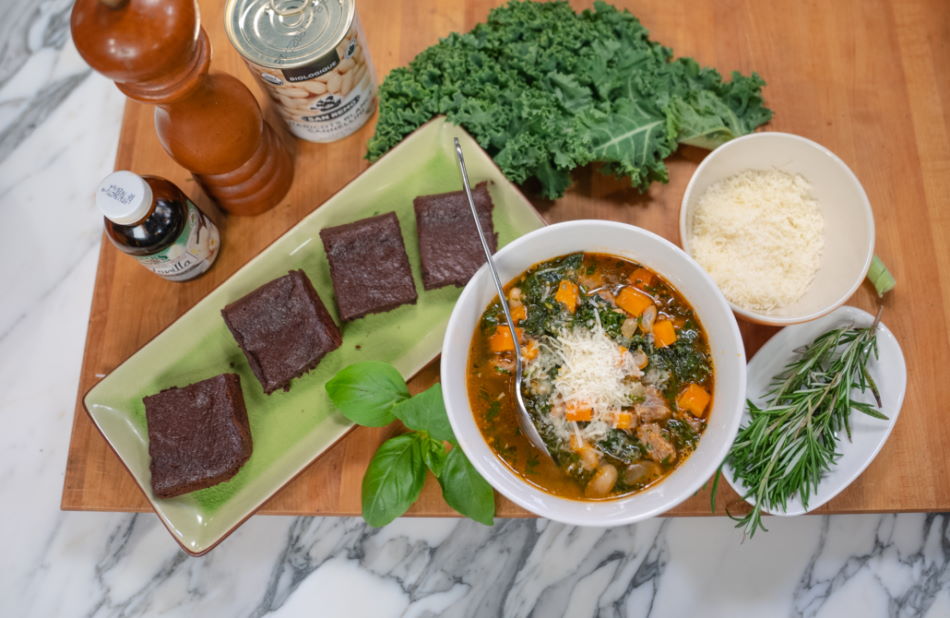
(863,77)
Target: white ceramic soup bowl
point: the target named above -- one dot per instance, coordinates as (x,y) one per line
(710,307)
(849,222)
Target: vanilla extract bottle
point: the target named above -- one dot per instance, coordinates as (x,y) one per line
(152,220)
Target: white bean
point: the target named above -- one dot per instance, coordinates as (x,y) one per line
(334,81)
(589,456)
(294,92)
(287,101)
(314,86)
(602,483)
(647,319)
(641,472)
(345,65)
(359,74)
(346,84)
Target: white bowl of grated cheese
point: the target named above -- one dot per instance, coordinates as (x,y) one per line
(781,224)
(709,306)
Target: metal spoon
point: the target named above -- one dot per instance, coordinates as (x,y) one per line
(524,419)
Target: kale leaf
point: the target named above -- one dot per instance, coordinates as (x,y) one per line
(546,316)
(686,361)
(622,446)
(683,435)
(610,319)
(545,90)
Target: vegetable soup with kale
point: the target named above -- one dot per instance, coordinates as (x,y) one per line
(618,376)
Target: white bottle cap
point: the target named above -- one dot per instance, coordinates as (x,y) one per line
(124,197)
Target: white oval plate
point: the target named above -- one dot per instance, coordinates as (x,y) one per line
(867,434)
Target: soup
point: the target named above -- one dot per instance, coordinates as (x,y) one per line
(618,376)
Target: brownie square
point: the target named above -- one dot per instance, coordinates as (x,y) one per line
(449,246)
(369,266)
(283,328)
(198,435)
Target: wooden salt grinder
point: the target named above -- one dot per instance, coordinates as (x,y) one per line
(210,124)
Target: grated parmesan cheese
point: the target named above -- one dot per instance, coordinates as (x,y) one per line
(760,235)
(593,371)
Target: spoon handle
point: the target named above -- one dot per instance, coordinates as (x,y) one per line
(524,418)
(488,257)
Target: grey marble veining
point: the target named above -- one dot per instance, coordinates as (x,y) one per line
(58,129)
(880,558)
(36,76)
(885,565)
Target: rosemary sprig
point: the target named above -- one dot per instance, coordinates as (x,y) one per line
(789,444)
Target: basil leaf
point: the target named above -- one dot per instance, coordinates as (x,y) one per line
(366,392)
(465,490)
(426,412)
(393,479)
(434,455)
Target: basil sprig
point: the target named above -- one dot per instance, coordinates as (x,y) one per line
(374,394)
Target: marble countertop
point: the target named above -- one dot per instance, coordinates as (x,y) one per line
(59,124)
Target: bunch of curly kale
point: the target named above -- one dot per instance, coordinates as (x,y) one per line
(545,90)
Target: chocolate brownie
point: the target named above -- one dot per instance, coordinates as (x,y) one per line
(283,328)
(198,435)
(369,266)
(449,246)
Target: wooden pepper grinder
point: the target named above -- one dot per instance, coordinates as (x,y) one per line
(210,124)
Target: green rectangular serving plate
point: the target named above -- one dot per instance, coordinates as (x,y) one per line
(291,429)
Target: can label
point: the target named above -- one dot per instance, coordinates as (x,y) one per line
(329,98)
(192,253)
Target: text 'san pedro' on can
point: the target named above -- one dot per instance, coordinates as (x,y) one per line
(312,58)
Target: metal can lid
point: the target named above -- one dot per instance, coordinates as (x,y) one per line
(124,197)
(283,34)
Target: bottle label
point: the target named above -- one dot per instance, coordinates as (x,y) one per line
(192,253)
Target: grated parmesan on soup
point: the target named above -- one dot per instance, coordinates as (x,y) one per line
(592,371)
(760,235)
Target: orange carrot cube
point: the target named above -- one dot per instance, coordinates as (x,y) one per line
(578,412)
(663,333)
(633,301)
(501,341)
(693,399)
(567,294)
(623,420)
(641,277)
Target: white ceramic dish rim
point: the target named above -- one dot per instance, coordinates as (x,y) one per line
(865,203)
(607,513)
(891,358)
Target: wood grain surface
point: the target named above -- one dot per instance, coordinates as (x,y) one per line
(866,78)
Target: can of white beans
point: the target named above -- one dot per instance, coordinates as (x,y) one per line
(311,57)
